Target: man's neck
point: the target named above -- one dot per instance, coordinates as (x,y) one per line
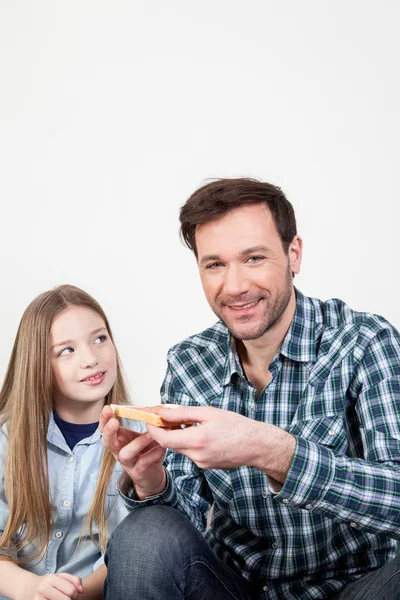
(258,354)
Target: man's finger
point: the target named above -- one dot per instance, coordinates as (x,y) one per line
(176,439)
(187,414)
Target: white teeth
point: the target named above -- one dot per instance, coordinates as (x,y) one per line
(245,306)
(93,378)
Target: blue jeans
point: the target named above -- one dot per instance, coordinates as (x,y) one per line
(382,584)
(157,554)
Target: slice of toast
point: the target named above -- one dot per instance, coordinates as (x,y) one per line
(149,414)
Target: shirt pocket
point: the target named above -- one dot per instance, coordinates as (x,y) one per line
(112,494)
(380,446)
(327,431)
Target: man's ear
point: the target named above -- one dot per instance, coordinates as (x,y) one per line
(295,252)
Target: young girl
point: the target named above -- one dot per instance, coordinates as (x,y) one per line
(58,496)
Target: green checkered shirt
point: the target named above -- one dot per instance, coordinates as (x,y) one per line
(336,387)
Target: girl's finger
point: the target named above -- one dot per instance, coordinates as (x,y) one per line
(130,453)
(105,415)
(149,458)
(110,435)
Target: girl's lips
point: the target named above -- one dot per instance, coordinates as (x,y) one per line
(96,379)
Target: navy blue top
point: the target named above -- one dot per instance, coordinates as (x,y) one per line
(74,432)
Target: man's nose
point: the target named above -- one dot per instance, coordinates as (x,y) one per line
(236,282)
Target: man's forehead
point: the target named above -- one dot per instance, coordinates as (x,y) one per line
(244,227)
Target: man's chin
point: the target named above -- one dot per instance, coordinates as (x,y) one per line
(247,337)
(246,333)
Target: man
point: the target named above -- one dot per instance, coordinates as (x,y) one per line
(297,437)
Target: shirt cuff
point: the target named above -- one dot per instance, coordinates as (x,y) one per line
(168,496)
(310,475)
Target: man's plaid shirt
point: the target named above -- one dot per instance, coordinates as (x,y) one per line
(336,387)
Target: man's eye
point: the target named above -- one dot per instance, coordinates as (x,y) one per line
(66,351)
(214,265)
(254,259)
(100,338)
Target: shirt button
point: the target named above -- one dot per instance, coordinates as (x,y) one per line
(352,524)
(264,494)
(308,506)
(274,545)
(59,534)
(331,432)
(285,501)
(155,501)
(66,503)
(71,459)
(265,588)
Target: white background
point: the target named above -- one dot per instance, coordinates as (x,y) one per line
(113,112)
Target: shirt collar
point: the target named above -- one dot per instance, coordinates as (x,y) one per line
(299,343)
(54,435)
(232,362)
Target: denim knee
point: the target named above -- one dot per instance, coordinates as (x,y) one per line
(156,552)
(156,534)
(381,584)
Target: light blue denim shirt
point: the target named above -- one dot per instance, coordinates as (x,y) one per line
(73,477)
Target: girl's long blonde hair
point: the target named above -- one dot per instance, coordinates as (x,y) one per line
(26,402)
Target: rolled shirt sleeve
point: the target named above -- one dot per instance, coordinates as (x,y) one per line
(362,491)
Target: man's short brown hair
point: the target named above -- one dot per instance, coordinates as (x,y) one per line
(213,200)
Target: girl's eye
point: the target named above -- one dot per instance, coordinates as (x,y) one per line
(100,338)
(66,351)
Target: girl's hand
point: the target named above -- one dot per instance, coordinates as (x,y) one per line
(140,455)
(55,586)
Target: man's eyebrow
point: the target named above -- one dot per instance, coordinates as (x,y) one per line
(256,250)
(71,341)
(247,252)
(209,257)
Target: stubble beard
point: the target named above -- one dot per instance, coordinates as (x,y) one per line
(272,313)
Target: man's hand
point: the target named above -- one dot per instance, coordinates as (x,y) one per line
(138,453)
(225,440)
(55,586)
